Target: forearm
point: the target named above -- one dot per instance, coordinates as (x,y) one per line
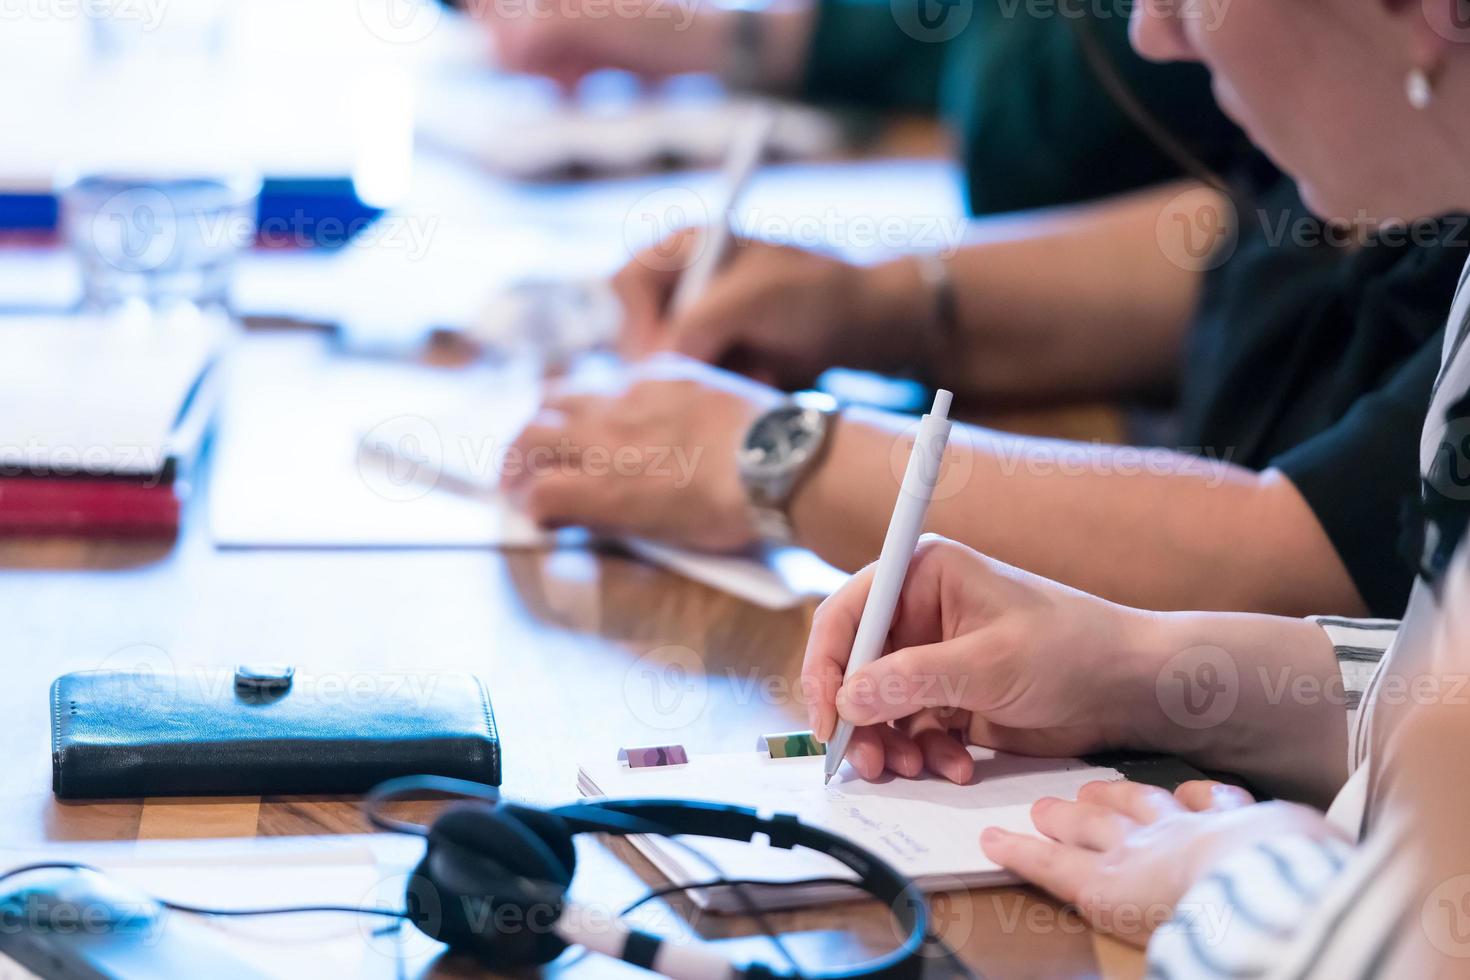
(1079,304)
(1149,528)
(1257,696)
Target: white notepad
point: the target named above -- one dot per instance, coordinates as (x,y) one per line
(292,467)
(929,828)
(102,397)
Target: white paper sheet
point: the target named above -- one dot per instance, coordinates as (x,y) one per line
(91,395)
(927,828)
(320,451)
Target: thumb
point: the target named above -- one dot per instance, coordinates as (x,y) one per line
(722,317)
(696,334)
(935,675)
(644,287)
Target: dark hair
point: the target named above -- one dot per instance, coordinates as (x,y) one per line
(1100,63)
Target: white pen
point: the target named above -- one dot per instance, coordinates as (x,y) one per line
(747,147)
(893,561)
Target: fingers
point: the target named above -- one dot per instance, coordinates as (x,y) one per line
(573,404)
(900,755)
(1139,802)
(932,676)
(542,475)
(1206,794)
(564,499)
(1097,828)
(877,749)
(644,287)
(865,752)
(945,756)
(710,327)
(911,675)
(1060,869)
(540,446)
(828,647)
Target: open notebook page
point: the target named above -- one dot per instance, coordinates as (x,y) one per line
(927,828)
(318,450)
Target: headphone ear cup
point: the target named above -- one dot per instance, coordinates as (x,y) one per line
(492,885)
(527,842)
(554,833)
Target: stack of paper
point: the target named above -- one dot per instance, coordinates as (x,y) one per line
(99,420)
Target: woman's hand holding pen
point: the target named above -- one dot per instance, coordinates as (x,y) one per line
(979,653)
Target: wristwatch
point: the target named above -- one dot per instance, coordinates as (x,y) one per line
(780,449)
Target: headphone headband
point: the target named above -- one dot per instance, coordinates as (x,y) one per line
(668,818)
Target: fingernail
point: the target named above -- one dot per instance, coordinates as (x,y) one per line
(992,835)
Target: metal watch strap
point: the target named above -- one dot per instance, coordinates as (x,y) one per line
(772,524)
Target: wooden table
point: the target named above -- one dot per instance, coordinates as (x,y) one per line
(570,642)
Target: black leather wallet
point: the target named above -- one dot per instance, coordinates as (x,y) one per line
(128,734)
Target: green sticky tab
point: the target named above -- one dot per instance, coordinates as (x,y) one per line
(792,745)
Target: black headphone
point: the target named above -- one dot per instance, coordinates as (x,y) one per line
(494,876)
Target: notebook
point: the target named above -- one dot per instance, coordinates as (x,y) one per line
(100,422)
(90,396)
(928,829)
(317,450)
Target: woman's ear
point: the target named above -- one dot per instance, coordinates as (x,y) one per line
(1439,26)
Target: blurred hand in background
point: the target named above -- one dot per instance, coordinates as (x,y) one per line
(653,456)
(779,314)
(567,39)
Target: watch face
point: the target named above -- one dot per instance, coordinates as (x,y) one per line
(780,439)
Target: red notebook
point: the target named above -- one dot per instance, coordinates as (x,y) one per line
(32,505)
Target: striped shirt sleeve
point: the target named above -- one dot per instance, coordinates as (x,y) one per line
(1293,908)
(1235,920)
(1360,645)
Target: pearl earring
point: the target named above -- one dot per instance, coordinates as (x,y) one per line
(1420,88)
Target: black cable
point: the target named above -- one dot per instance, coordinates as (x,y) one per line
(383,792)
(656,893)
(47,866)
(746,902)
(283,910)
(739,884)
